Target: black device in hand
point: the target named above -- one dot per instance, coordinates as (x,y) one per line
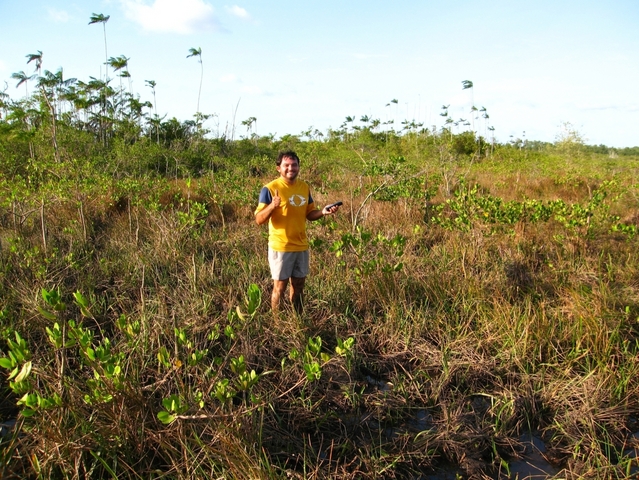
(336,204)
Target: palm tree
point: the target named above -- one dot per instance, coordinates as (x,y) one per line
(485,116)
(63,89)
(101,18)
(126,74)
(197,52)
(104,93)
(466,85)
(118,63)
(152,84)
(389,121)
(48,83)
(250,123)
(492,141)
(37,58)
(155,122)
(22,78)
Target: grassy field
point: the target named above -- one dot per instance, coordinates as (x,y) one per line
(466,296)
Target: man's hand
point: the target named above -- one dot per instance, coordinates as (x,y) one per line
(327,210)
(331,209)
(277,200)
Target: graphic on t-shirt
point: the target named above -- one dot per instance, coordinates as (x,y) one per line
(297,200)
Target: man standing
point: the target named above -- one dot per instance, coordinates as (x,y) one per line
(286,203)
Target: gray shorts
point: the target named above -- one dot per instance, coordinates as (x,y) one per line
(285,265)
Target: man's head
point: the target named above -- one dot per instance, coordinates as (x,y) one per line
(288,165)
(287,154)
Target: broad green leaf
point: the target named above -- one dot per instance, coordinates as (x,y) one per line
(6,363)
(47,314)
(254,299)
(24,373)
(166,417)
(80,299)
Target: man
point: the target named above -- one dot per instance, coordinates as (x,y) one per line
(286,203)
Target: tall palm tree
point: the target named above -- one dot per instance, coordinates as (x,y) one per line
(390,121)
(117,64)
(485,116)
(103,19)
(152,84)
(250,123)
(154,121)
(37,58)
(120,63)
(197,52)
(468,85)
(48,84)
(126,74)
(23,78)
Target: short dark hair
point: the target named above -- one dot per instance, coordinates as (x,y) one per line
(287,154)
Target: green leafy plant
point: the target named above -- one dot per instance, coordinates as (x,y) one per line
(173,407)
(344,349)
(314,358)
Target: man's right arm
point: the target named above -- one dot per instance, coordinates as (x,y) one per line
(263,215)
(271,203)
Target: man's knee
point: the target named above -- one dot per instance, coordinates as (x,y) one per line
(297,283)
(279,286)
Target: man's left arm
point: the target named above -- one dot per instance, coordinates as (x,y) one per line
(317,214)
(314,215)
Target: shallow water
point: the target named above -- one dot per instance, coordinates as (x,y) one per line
(633,453)
(7,427)
(533,465)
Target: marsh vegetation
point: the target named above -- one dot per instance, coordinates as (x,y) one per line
(469,296)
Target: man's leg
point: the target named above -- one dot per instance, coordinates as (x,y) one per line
(297,293)
(279,287)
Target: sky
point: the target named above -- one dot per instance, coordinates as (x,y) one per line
(307,65)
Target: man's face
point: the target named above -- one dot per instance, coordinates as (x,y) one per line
(289,168)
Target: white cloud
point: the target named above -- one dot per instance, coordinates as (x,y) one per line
(238,12)
(172,16)
(58,15)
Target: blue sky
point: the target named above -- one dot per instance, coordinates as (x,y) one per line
(299,64)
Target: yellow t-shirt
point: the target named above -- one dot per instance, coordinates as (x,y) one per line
(287,225)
